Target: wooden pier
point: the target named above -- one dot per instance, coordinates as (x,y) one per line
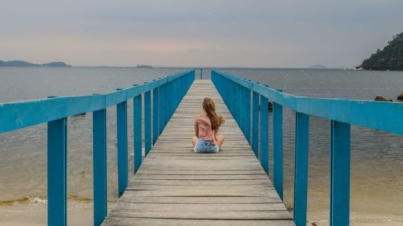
(175,186)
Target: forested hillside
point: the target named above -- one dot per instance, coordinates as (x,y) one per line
(390,58)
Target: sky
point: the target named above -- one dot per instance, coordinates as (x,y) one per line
(198,33)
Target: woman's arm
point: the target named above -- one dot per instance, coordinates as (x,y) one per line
(197,130)
(196,125)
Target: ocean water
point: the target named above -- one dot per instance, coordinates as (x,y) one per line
(377,157)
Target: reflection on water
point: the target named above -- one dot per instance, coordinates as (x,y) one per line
(376,156)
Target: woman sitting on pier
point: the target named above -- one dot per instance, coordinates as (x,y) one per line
(206,128)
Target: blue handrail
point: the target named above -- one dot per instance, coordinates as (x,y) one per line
(167,92)
(341,112)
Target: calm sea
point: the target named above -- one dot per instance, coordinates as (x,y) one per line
(377,157)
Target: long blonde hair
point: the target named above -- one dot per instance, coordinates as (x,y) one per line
(215,119)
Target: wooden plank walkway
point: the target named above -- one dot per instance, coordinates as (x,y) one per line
(176,186)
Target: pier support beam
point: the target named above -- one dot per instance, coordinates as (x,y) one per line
(264,133)
(147,122)
(301,168)
(255,124)
(247,126)
(155,115)
(57,172)
(137,130)
(340,174)
(278,148)
(122,142)
(100,167)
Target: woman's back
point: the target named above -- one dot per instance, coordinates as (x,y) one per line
(205,130)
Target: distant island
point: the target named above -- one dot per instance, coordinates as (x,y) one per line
(20,63)
(390,58)
(318,66)
(144,66)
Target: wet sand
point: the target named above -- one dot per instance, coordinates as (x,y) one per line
(80,213)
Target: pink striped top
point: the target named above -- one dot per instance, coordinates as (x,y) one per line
(205,131)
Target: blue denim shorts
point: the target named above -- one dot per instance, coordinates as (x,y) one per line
(205,146)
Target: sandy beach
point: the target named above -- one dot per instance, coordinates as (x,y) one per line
(80,213)
(358,219)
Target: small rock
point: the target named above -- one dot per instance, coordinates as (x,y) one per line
(381,98)
(400,97)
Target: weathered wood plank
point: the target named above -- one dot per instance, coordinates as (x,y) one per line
(200,182)
(150,207)
(200,200)
(209,193)
(230,215)
(196,172)
(201,177)
(198,222)
(158,187)
(190,152)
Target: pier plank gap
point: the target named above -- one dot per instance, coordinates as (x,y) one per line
(175,186)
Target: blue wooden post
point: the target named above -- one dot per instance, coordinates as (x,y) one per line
(238,110)
(168,102)
(161,110)
(201,74)
(232,98)
(121,115)
(301,168)
(247,115)
(155,115)
(174,94)
(234,101)
(164,105)
(340,174)
(264,135)
(241,108)
(278,148)
(172,101)
(255,127)
(138,144)
(171,93)
(100,167)
(57,172)
(147,122)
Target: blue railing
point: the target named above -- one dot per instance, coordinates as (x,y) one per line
(243,98)
(166,92)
